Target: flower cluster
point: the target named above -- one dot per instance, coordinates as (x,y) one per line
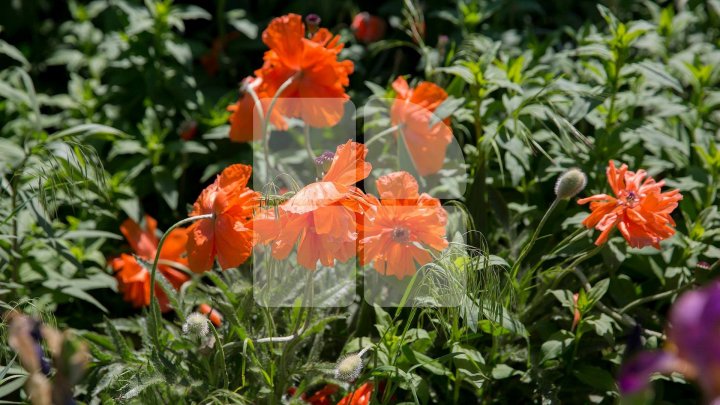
(333,220)
(295,67)
(327,221)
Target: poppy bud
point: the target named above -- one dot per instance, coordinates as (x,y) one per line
(312,21)
(576,312)
(368,28)
(570,183)
(196,324)
(348,368)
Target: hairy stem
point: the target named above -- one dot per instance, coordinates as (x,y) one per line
(526,249)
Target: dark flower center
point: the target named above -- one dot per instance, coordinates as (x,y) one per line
(400,234)
(323,162)
(631,199)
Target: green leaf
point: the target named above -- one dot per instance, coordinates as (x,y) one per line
(11,384)
(237,18)
(14,53)
(191,12)
(11,93)
(502,371)
(121,346)
(80,294)
(657,73)
(596,293)
(165,183)
(596,377)
(504,318)
(10,154)
(90,234)
(565,297)
(88,130)
(460,71)
(446,109)
(557,344)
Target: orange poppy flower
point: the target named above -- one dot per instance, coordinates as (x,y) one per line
(245,122)
(321,217)
(639,209)
(215,317)
(413,109)
(313,63)
(368,28)
(228,235)
(400,227)
(321,396)
(133,278)
(360,396)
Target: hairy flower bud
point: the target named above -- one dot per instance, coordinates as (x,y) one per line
(570,183)
(196,324)
(348,368)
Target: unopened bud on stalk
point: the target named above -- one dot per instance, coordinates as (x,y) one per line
(570,183)
(348,367)
(196,324)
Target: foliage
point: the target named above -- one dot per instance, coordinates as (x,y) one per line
(117,109)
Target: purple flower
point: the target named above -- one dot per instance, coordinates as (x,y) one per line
(693,346)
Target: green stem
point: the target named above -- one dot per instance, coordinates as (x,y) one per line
(541,294)
(618,317)
(382,134)
(526,249)
(308,144)
(14,185)
(654,297)
(153,269)
(258,106)
(266,122)
(479,187)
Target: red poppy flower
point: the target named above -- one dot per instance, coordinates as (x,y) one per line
(215,317)
(321,217)
(360,396)
(228,234)
(368,28)
(245,122)
(399,229)
(322,396)
(133,278)
(313,64)
(413,109)
(639,209)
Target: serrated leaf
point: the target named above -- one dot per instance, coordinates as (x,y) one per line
(121,346)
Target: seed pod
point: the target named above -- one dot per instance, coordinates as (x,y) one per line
(570,183)
(196,324)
